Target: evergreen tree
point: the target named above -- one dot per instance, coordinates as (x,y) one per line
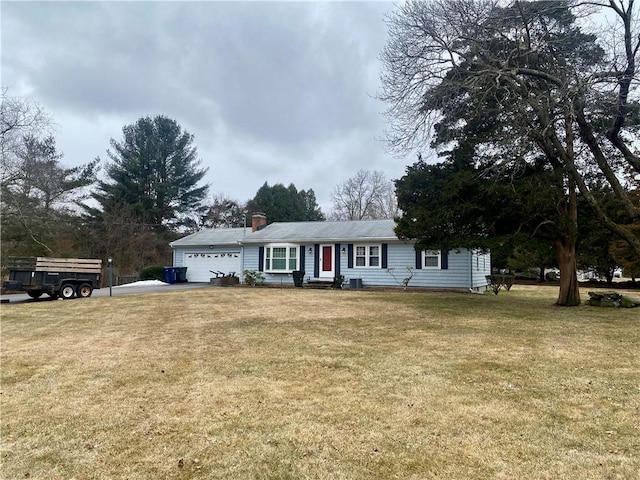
(155,172)
(285,204)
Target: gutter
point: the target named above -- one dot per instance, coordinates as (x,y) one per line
(304,241)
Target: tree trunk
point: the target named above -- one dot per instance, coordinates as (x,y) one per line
(569,295)
(609,275)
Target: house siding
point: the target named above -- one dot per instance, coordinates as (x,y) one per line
(480,268)
(399,256)
(252,262)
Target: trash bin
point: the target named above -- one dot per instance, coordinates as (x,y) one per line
(355,283)
(181,274)
(169,275)
(298,277)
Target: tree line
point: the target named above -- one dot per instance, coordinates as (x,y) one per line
(151,192)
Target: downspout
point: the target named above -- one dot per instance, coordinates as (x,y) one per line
(241,261)
(244,234)
(470,270)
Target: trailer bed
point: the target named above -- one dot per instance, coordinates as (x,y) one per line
(64,277)
(50,264)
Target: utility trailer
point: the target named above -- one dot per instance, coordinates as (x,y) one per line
(57,277)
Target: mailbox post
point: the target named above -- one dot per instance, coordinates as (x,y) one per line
(110,262)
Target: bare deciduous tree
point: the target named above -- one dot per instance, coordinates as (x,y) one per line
(18,118)
(365,196)
(223,212)
(38,192)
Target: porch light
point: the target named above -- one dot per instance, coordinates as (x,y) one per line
(310,250)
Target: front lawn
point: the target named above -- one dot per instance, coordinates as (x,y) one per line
(267,383)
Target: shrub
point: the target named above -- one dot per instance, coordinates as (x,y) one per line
(496,282)
(251,277)
(405,281)
(154,272)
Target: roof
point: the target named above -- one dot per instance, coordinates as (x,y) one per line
(212,236)
(354,230)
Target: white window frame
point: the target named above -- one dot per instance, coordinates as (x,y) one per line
(268,257)
(431,254)
(367,255)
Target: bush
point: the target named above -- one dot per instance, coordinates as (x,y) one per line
(496,282)
(154,272)
(251,277)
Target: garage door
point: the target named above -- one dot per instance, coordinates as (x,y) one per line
(199,265)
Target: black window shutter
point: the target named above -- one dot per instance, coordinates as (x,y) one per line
(419,259)
(350,255)
(302,258)
(316,260)
(444,260)
(384,255)
(336,260)
(261,259)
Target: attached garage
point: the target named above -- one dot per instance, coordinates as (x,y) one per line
(201,265)
(216,249)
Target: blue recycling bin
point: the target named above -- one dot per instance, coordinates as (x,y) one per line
(169,275)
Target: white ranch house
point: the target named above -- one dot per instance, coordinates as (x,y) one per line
(366,252)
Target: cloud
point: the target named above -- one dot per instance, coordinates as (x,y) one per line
(278,92)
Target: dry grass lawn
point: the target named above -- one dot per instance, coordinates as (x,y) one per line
(244,383)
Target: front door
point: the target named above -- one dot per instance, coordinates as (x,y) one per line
(326,261)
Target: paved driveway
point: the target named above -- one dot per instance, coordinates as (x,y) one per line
(116,291)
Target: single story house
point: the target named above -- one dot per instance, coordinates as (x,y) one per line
(366,251)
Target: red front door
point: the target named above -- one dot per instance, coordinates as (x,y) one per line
(326,261)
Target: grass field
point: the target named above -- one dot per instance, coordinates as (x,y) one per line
(245,383)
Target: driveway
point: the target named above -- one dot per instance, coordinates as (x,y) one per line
(116,291)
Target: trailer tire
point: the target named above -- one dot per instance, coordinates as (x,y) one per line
(67,291)
(35,294)
(84,290)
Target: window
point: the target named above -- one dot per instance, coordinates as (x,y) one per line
(366,256)
(280,258)
(431,259)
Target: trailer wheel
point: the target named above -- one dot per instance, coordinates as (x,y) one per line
(84,290)
(35,294)
(67,291)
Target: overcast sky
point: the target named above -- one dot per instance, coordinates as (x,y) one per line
(272,92)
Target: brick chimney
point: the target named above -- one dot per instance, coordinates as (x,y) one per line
(258,222)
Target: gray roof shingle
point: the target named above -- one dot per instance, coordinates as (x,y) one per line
(213,236)
(294,232)
(355,230)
